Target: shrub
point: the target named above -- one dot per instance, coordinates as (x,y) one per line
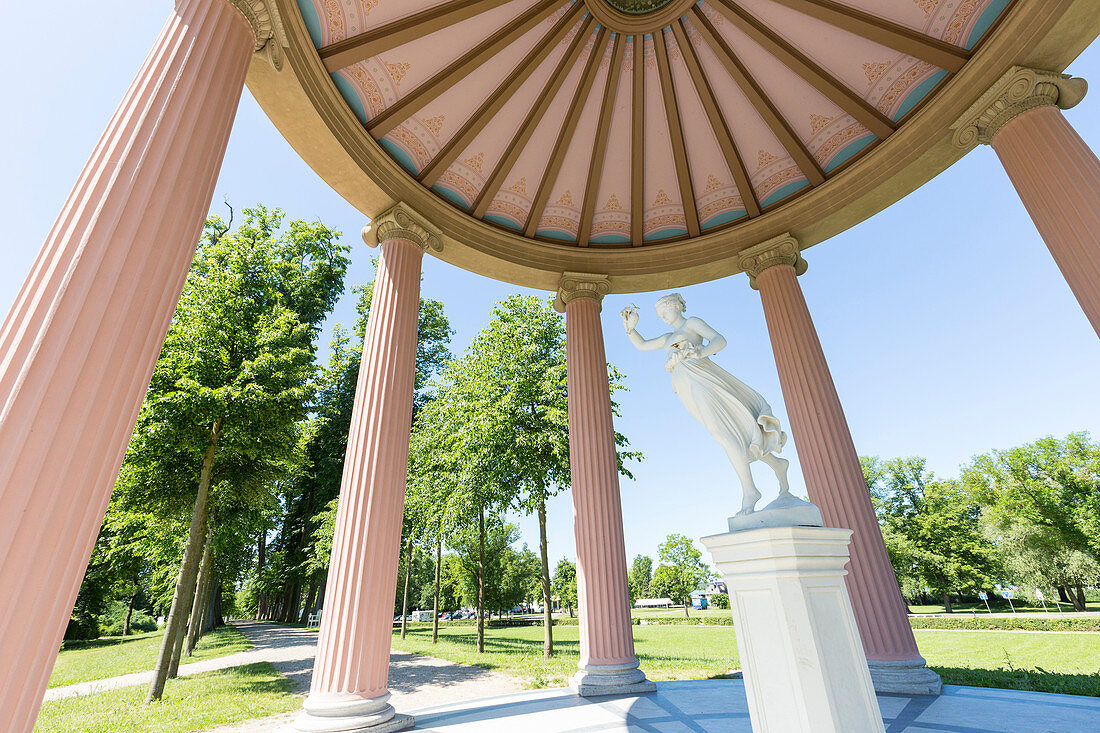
(720,600)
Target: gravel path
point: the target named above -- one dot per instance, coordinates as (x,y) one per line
(415,681)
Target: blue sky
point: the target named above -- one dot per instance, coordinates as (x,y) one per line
(949,330)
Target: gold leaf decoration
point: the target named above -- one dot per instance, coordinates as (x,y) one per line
(398,70)
(873,70)
(519,186)
(662,198)
(817,122)
(765,158)
(435,124)
(475,162)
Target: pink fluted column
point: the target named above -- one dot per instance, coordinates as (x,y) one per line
(78,347)
(831,468)
(350,675)
(1053,170)
(1058,179)
(607,661)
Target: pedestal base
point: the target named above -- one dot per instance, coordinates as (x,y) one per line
(803,662)
(352,716)
(907,677)
(611,679)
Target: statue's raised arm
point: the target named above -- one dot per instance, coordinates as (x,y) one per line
(732,412)
(630,317)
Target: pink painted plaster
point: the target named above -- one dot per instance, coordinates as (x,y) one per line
(831,466)
(78,347)
(605,625)
(1058,178)
(353,646)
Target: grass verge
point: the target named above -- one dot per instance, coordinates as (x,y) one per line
(1068,664)
(1062,663)
(116,655)
(189,704)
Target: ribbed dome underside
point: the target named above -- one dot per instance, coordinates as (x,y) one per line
(534,116)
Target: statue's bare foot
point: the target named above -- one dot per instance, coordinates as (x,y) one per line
(748,501)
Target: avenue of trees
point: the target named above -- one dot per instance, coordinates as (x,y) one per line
(226,500)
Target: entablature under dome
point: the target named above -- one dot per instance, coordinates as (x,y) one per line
(540,137)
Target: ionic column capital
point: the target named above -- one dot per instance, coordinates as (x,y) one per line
(575,285)
(402,222)
(781,250)
(1019,90)
(267,27)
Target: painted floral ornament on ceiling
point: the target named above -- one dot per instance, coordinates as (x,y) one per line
(637,7)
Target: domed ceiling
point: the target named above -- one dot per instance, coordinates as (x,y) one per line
(620,123)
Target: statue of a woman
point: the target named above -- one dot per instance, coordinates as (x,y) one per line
(734,413)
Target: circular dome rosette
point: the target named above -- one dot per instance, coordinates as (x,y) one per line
(647,139)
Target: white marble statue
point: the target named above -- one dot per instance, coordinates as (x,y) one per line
(735,414)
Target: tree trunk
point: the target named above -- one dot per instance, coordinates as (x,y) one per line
(185,583)
(547,616)
(1062,595)
(1079,599)
(687,607)
(405,596)
(435,604)
(947,601)
(481,583)
(261,556)
(194,628)
(130,613)
(307,609)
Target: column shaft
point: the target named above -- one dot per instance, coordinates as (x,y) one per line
(78,347)
(831,466)
(1058,179)
(602,595)
(351,672)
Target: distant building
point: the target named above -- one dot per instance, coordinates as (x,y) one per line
(653,603)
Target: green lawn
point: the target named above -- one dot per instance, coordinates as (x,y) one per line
(1044,662)
(1066,663)
(112,656)
(189,704)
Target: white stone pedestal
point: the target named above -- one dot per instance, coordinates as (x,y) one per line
(802,659)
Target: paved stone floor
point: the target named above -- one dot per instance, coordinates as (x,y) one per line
(718,706)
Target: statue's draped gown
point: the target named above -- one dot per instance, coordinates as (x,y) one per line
(729,409)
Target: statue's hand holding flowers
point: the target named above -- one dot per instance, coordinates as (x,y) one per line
(630,317)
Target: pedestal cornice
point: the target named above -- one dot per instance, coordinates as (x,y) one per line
(781,250)
(1019,90)
(267,27)
(402,222)
(575,285)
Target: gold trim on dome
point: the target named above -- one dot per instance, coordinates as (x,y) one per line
(307,108)
(1018,91)
(637,23)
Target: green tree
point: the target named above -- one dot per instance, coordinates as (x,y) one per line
(233,379)
(518,365)
(681,570)
(641,575)
(932,529)
(1041,505)
(565,584)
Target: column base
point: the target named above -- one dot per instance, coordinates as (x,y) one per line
(355,716)
(906,677)
(611,679)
